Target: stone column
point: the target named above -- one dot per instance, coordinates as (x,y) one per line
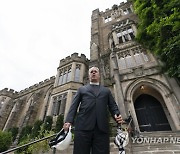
(63,105)
(115,38)
(73,69)
(57,78)
(82,72)
(133,114)
(44,106)
(49,112)
(134,29)
(120,96)
(172,110)
(68,102)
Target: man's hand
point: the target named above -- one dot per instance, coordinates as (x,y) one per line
(119,119)
(66,126)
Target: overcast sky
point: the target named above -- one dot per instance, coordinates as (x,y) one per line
(36,34)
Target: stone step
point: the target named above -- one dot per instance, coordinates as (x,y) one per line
(156,147)
(113,150)
(161,133)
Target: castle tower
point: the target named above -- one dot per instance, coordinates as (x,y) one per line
(71,74)
(132,72)
(6,104)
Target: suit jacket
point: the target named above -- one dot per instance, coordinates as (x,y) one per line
(93,108)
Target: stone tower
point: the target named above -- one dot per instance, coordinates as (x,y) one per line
(131,71)
(134,76)
(71,74)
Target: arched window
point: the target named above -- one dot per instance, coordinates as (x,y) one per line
(77,73)
(130,61)
(107,19)
(145,57)
(69,74)
(138,58)
(56,106)
(132,57)
(125,35)
(65,76)
(122,63)
(59,104)
(63,103)
(60,78)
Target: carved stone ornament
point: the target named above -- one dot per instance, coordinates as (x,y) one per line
(138,71)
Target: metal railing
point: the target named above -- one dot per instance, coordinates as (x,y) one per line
(30,143)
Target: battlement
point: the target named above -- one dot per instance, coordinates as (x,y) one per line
(38,85)
(74,57)
(122,5)
(8,92)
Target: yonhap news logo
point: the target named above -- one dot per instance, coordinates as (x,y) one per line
(156,140)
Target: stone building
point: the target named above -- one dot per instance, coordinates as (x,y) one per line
(131,72)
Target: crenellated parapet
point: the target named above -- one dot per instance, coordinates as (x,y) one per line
(74,57)
(13,94)
(37,86)
(122,6)
(8,92)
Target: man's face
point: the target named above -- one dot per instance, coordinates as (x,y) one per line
(94,74)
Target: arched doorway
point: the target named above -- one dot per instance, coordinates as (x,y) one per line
(150,114)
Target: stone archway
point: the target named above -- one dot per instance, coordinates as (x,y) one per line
(157,89)
(150,114)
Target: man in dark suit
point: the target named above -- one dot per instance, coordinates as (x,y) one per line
(91,125)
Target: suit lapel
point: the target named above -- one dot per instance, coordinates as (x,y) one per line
(90,89)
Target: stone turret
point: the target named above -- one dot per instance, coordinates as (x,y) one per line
(8,92)
(6,104)
(74,57)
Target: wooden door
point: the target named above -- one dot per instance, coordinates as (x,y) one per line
(150,114)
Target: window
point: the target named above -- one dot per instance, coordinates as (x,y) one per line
(63,104)
(77,73)
(125,35)
(129,10)
(125,11)
(138,58)
(122,63)
(65,75)
(107,19)
(145,57)
(60,78)
(130,61)
(73,95)
(132,57)
(59,104)
(69,74)
(56,105)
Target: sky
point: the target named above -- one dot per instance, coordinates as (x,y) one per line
(36,34)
